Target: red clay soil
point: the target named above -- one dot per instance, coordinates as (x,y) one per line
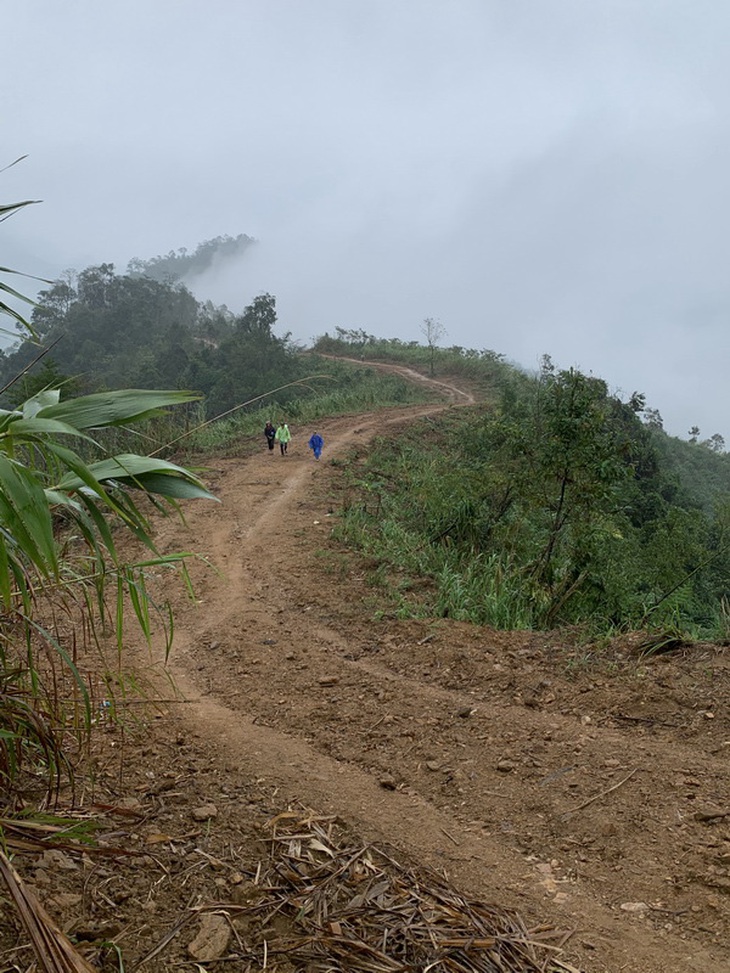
(584,787)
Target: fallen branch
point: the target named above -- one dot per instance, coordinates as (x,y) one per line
(597,797)
(53,949)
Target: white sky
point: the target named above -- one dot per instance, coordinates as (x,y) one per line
(542,176)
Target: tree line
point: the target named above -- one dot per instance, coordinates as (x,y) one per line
(177,265)
(101,330)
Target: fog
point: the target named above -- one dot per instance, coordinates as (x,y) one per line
(541,176)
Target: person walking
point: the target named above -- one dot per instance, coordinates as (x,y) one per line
(315,444)
(270,433)
(283,437)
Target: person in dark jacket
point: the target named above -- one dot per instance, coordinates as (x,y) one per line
(270,433)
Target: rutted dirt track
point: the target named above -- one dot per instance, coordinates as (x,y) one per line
(537,777)
(585,789)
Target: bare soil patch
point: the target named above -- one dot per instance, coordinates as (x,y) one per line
(585,788)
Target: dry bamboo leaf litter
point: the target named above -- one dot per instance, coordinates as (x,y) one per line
(326,904)
(54,951)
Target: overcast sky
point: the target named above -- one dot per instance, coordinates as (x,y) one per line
(542,176)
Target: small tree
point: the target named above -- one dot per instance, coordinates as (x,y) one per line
(433,331)
(653,419)
(716,443)
(259,318)
(637,402)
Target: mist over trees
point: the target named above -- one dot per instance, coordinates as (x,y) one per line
(101,330)
(177,265)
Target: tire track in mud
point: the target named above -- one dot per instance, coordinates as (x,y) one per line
(289,693)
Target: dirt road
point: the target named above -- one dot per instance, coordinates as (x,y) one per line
(537,774)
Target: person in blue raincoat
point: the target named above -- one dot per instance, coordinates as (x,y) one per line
(315,444)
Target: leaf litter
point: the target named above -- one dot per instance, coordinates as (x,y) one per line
(324,902)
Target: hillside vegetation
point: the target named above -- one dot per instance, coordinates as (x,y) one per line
(552,503)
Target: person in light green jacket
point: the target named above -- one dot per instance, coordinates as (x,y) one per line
(283,437)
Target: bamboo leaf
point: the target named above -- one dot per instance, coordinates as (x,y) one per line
(83,475)
(7,309)
(25,514)
(5,574)
(35,426)
(115,408)
(174,487)
(140,602)
(41,400)
(100,522)
(8,208)
(7,289)
(162,476)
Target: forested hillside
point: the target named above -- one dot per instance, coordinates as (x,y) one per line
(552,502)
(101,330)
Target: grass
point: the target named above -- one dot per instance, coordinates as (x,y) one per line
(482,370)
(358,389)
(394,514)
(337,564)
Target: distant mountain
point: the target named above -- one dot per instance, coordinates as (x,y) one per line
(180,265)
